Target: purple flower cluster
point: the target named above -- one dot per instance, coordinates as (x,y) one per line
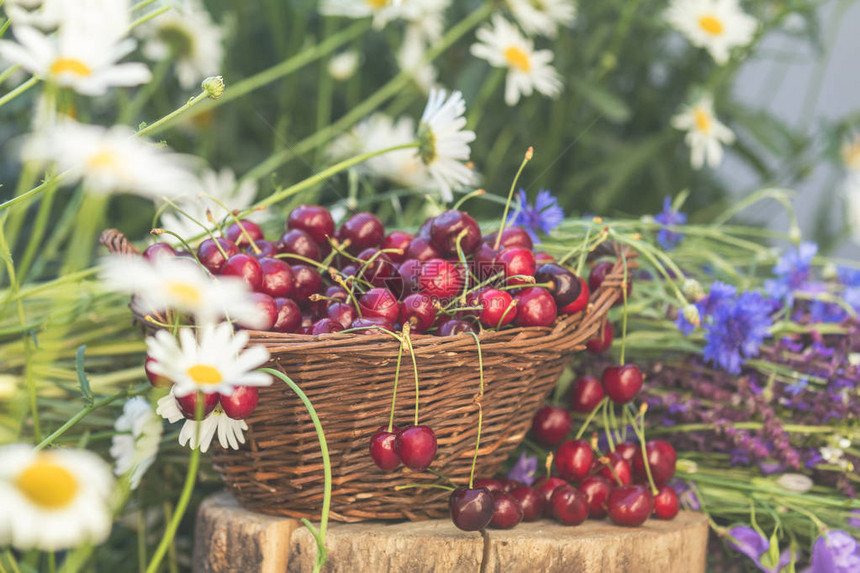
(835,552)
(543,217)
(669,217)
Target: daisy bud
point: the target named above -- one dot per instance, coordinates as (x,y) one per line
(691,314)
(693,290)
(794,234)
(797,483)
(342,66)
(213,86)
(687,466)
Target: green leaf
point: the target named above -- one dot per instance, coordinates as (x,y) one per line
(83,382)
(608,104)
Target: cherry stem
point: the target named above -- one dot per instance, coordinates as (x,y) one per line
(640,433)
(528,156)
(350,295)
(439,474)
(396,379)
(480,408)
(462,257)
(582,250)
(612,471)
(511,306)
(236,220)
(476,287)
(417,485)
(160,231)
(624,316)
(211,218)
(614,421)
(414,366)
(201,225)
(590,417)
(464,198)
(549,457)
(606,428)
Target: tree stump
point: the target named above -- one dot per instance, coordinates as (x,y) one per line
(229,538)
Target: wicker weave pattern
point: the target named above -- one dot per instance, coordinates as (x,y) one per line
(349,379)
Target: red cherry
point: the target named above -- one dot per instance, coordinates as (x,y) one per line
(596,490)
(188,404)
(241,403)
(498,308)
(564,286)
(573,459)
(416,447)
(239,232)
(666,503)
(627,451)
(471,509)
(454,327)
(244,267)
(441,279)
(544,258)
(517,261)
(586,393)
(156,250)
(382,449)
(622,383)
(485,264)
(511,237)
(569,505)
(157,380)
(616,466)
(378,269)
(545,486)
(379,302)
(550,426)
(397,240)
(314,220)
(581,302)
(661,458)
(422,249)
(297,242)
(289,316)
(507,512)
(211,257)
(424,231)
(508,485)
(268,309)
(598,344)
(531,502)
(326,326)
(417,309)
(535,307)
(362,230)
(265,249)
(598,274)
(306,281)
(409,271)
(445,229)
(277,278)
(629,505)
(342,312)
(492,485)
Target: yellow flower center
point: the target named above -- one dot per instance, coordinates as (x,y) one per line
(377,4)
(703,120)
(851,154)
(106,160)
(711,24)
(185,294)
(47,484)
(70,66)
(517,59)
(204,374)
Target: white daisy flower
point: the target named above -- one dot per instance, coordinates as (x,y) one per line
(135,445)
(383,11)
(343,66)
(445,142)
(44,14)
(426,17)
(705,134)
(543,17)
(188,35)
(84,54)
(53,500)
(217,185)
(851,153)
(230,432)
(212,362)
(410,58)
(503,46)
(112,160)
(172,283)
(716,25)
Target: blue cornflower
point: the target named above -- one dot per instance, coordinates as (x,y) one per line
(835,552)
(792,273)
(755,546)
(669,217)
(545,216)
(849,277)
(798,387)
(524,470)
(719,292)
(737,330)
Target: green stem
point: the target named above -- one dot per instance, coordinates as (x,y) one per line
(396,379)
(480,409)
(606,427)
(147,17)
(590,417)
(175,113)
(321,556)
(18,91)
(526,159)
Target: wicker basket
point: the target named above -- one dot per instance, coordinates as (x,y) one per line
(349,379)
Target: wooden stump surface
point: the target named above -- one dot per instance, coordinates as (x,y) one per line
(231,539)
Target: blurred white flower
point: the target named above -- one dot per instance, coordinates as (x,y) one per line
(445,142)
(797,483)
(503,46)
(410,58)
(38,13)
(188,35)
(716,25)
(543,17)
(851,153)
(112,160)
(174,283)
(425,17)
(383,11)
(216,187)
(135,445)
(705,134)
(229,431)
(211,362)
(53,500)
(84,54)
(343,66)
